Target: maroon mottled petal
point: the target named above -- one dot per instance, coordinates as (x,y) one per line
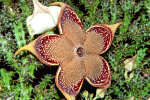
(97,71)
(75,88)
(69,78)
(54,49)
(98,38)
(69,14)
(103,79)
(70,25)
(42,47)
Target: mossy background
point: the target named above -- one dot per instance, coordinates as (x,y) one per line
(27,78)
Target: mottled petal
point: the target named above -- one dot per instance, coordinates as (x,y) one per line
(97,71)
(69,78)
(99,37)
(50,49)
(70,25)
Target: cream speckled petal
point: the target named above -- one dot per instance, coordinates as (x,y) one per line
(50,49)
(97,71)
(99,38)
(69,78)
(70,25)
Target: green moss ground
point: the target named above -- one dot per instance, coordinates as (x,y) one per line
(27,78)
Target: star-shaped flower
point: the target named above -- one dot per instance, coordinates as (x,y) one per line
(76,52)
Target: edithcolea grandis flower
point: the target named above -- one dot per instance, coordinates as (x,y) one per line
(76,52)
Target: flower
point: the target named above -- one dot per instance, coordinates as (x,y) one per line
(76,52)
(130,63)
(100,92)
(43,18)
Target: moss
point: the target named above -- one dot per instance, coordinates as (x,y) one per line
(27,78)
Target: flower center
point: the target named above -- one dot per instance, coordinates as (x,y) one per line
(80,51)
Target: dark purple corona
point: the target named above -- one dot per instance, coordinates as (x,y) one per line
(80,51)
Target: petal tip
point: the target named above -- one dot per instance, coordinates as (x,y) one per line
(116,25)
(38,6)
(57,3)
(21,49)
(113,27)
(29,47)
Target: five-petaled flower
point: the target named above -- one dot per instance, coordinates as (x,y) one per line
(76,52)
